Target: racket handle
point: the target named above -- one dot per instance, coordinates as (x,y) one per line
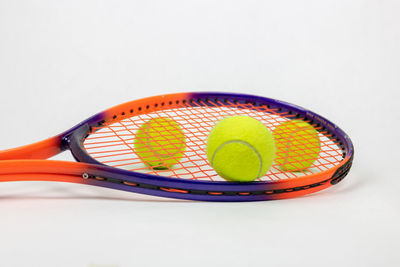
(39,150)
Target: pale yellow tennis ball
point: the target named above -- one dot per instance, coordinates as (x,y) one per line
(160,143)
(297,145)
(240,148)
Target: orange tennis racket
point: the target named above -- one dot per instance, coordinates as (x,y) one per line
(103,145)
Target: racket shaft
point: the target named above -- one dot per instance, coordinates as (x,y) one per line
(41,167)
(39,150)
(40,177)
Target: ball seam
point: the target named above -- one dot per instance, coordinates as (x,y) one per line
(244,143)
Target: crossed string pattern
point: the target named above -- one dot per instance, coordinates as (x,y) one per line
(113,143)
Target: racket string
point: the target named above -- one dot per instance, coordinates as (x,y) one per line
(113,144)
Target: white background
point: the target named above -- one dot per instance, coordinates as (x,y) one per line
(62,61)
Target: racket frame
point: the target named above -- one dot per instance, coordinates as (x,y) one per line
(24,163)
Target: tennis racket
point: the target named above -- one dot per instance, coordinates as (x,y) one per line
(103,147)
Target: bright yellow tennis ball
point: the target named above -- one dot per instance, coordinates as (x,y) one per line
(240,148)
(297,145)
(160,143)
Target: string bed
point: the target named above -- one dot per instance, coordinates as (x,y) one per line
(113,144)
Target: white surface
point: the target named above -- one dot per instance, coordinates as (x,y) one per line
(62,61)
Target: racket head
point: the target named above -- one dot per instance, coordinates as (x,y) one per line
(208,108)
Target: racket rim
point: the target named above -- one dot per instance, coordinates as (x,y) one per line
(79,151)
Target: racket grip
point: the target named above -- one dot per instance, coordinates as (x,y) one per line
(39,150)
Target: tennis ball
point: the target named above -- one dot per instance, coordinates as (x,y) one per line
(160,143)
(240,148)
(297,145)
